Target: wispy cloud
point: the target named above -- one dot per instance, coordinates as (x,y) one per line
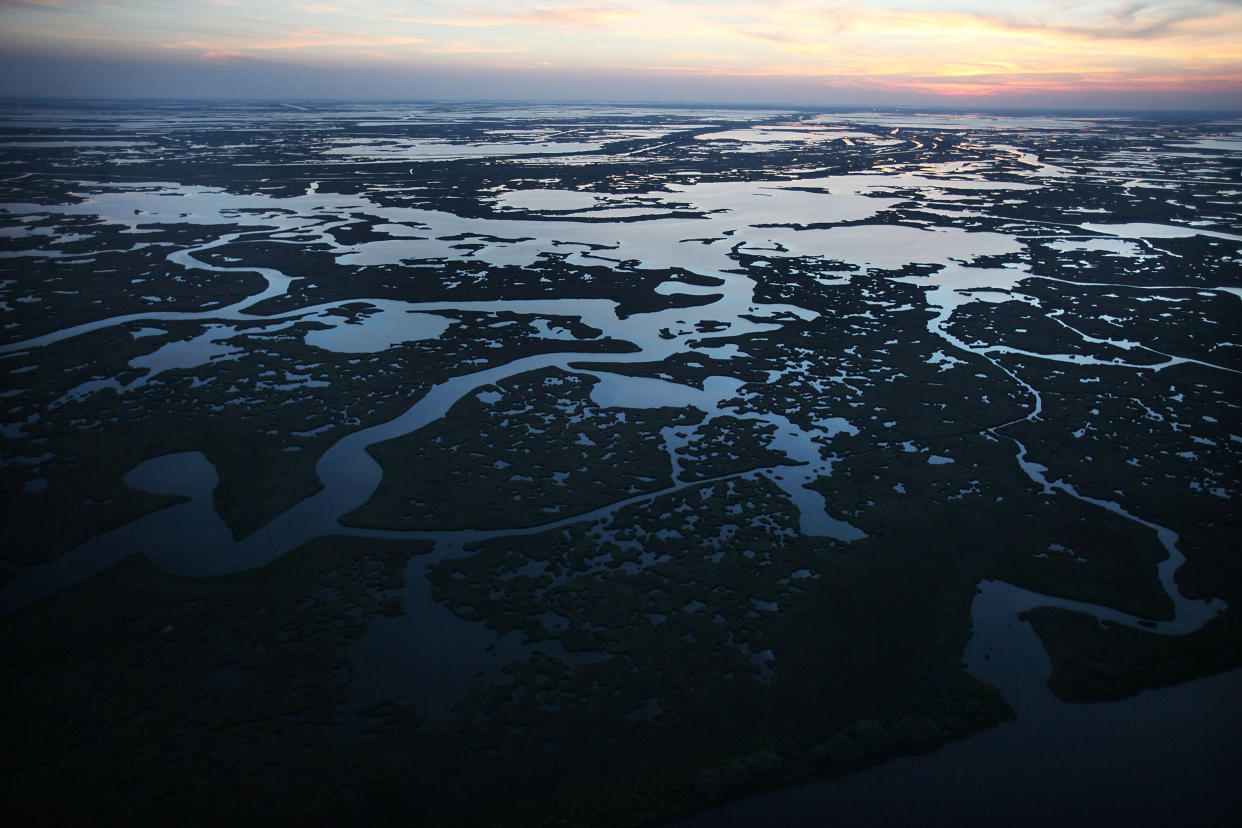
(48,4)
(559,17)
(223,56)
(1128,22)
(463,48)
(514,15)
(297,41)
(979,45)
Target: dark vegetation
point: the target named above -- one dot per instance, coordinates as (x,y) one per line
(643,660)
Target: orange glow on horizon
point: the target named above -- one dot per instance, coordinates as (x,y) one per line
(980,48)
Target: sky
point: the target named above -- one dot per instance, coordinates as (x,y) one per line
(1158,54)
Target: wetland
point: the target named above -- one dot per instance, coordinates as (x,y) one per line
(598,465)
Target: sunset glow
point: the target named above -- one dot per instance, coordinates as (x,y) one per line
(891,51)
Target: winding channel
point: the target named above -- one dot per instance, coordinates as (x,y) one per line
(190,539)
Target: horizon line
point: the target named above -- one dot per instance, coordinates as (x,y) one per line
(659,104)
